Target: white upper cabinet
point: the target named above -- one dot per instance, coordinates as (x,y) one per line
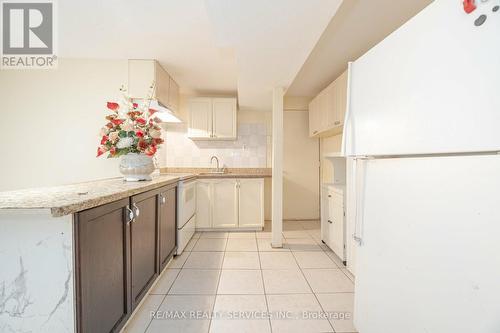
(224,118)
(143,74)
(341,100)
(327,110)
(314,118)
(212,118)
(200,118)
(173,95)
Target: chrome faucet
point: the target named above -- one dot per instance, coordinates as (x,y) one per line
(216,159)
(218,169)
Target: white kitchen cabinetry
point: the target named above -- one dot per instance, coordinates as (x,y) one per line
(212,118)
(314,120)
(327,110)
(224,118)
(203,203)
(143,74)
(251,203)
(230,203)
(200,118)
(333,221)
(173,95)
(224,203)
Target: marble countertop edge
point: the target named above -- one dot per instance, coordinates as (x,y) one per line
(73,198)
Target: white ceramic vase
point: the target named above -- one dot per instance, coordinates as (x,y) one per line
(136,167)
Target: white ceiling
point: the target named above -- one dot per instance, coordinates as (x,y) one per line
(357,26)
(208,46)
(272,39)
(178,33)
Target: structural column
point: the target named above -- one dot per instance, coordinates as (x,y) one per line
(277,180)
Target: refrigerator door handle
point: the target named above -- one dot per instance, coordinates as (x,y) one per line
(359,171)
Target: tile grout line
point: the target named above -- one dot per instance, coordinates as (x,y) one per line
(218,282)
(264,288)
(169,288)
(173,282)
(312,290)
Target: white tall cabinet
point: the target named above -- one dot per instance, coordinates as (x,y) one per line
(229,203)
(212,118)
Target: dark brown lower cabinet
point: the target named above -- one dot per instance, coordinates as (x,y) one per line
(168,225)
(143,237)
(102,264)
(119,249)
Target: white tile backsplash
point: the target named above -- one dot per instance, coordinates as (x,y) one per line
(249,151)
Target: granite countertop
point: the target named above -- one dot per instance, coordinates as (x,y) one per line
(204,173)
(69,199)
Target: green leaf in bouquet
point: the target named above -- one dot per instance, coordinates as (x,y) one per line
(122,134)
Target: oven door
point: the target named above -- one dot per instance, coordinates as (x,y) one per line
(187,203)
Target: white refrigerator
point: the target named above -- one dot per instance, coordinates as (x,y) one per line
(423,130)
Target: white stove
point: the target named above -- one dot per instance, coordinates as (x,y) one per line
(186,213)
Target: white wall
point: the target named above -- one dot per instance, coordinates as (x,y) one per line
(50,121)
(251,150)
(329,145)
(300,168)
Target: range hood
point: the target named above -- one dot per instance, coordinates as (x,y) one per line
(164,113)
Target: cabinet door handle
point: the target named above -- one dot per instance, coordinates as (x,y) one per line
(329,195)
(130,215)
(330,221)
(137,211)
(315,132)
(162,199)
(337,122)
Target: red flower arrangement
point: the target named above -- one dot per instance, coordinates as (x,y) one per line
(130,129)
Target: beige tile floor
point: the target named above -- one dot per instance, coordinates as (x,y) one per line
(236,282)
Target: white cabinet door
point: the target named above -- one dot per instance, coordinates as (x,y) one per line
(314,117)
(251,202)
(141,75)
(173,96)
(323,108)
(330,92)
(325,215)
(224,203)
(224,118)
(336,220)
(340,99)
(162,85)
(200,118)
(203,204)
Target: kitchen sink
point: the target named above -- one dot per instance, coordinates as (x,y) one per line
(222,172)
